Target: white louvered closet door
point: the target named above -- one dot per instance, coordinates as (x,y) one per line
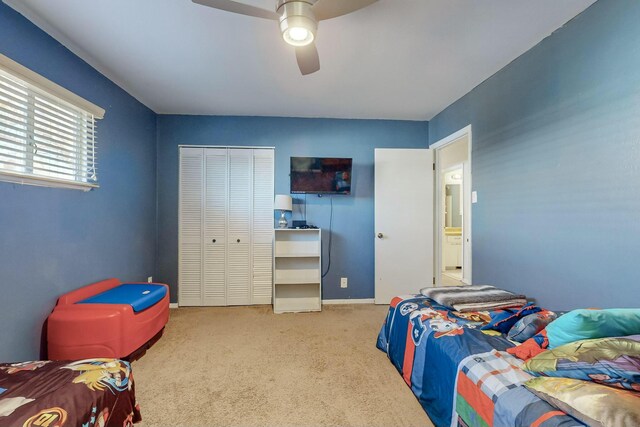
(190,227)
(215,227)
(262,238)
(239,221)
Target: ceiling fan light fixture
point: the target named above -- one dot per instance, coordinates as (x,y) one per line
(298,36)
(297,23)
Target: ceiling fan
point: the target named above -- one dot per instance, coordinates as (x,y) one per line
(298,21)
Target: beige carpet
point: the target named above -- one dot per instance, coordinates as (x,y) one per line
(245,366)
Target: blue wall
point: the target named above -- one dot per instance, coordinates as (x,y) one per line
(352,254)
(556,151)
(55,240)
(556,164)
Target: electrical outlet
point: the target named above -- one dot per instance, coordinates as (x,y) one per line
(150,279)
(343,282)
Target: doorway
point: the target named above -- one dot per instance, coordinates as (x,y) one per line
(453,209)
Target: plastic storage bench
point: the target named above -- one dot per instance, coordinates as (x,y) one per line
(107,319)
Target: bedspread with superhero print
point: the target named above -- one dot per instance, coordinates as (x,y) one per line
(460,373)
(86,393)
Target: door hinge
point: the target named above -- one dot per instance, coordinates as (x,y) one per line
(434,280)
(434,166)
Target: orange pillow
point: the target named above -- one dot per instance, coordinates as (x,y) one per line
(531,347)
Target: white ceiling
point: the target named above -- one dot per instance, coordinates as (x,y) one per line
(396,59)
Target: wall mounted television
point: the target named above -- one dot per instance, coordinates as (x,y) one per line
(320,175)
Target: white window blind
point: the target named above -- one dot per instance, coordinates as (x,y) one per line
(44,139)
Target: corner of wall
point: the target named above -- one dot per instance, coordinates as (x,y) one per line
(156,255)
(427,129)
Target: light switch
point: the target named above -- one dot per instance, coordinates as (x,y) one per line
(474,197)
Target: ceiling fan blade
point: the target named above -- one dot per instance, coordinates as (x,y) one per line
(241,8)
(308,59)
(327,9)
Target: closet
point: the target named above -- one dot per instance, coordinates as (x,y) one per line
(225,226)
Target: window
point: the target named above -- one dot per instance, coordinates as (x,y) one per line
(47,134)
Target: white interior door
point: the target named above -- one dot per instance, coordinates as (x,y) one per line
(239,227)
(190,227)
(404,184)
(262,236)
(215,227)
(225,226)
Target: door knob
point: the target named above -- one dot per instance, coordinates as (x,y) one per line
(213,241)
(380,235)
(238,240)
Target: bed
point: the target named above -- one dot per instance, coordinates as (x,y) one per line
(460,374)
(92,392)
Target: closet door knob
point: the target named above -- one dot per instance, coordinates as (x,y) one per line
(238,240)
(213,241)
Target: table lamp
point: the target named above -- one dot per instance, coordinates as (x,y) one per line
(283,203)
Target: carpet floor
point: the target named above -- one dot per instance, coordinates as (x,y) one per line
(245,366)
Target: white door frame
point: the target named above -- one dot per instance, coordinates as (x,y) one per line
(439,220)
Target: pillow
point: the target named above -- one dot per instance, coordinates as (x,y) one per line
(502,320)
(531,347)
(530,325)
(593,404)
(587,324)
(608,361)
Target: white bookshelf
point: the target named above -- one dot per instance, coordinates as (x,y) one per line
(297,266)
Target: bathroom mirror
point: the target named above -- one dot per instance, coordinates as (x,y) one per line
(453,209)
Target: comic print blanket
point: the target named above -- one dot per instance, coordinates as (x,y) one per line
(461,375)
(87,393)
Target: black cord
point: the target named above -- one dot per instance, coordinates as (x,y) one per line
(330,235)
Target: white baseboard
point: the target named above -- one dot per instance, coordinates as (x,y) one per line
(348,301)
(324,301)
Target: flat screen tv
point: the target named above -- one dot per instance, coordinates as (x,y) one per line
(320,175)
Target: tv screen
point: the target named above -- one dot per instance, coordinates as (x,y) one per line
(320,175)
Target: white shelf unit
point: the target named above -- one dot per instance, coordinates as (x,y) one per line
(297,266)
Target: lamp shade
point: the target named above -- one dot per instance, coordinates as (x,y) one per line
(282,203)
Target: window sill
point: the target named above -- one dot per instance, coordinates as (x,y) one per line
(17,178)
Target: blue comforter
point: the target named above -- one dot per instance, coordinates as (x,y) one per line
(461,375)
